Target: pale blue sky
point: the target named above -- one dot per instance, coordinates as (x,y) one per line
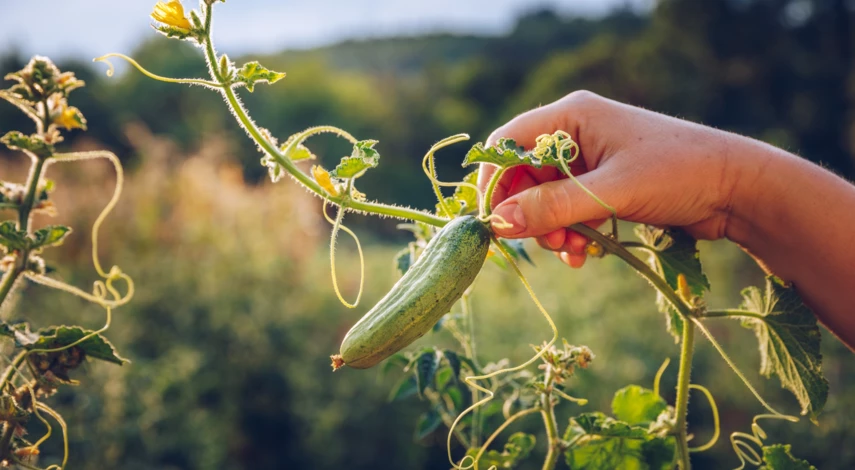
(88,28)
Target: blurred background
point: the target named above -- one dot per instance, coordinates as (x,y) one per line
(235,317)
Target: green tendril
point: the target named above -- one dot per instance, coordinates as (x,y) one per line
(743,449)
(187,81)
(429,167)
(716,422)
(659,374)
(337,225)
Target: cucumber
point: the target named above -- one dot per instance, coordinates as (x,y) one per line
(421,297)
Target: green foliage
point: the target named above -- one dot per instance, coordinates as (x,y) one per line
(253,72)
(14,239)
(778,457)
(517,449)
(31,143)
(789,340)
(506,154)
(362,159)
(674,252)
(596,441)
(637,406)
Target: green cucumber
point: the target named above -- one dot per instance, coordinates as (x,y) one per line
(421,297)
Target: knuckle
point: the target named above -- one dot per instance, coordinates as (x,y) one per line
(584,99)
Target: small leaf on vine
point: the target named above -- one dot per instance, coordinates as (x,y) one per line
(426,366)
(32,143)
(363,158)
(778,457)
(96,347)
(428,423)
(51,235)
(11,237)
(789,342)
(253,72)
(405,388)
(518,447)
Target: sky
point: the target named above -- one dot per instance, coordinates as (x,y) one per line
(84,29)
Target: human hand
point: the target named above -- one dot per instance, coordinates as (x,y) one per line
(649,167)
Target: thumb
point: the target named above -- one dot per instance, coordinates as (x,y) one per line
(557,204)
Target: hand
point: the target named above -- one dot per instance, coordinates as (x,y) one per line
(651,168)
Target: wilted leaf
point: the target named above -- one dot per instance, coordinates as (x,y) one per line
(597,441)
(778,457)
(675,253)
(637,405)
(789,342)
(253,72)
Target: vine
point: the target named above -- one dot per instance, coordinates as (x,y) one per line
(650,433)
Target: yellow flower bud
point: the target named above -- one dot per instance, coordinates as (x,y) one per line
(323,179)
(171,14)
(683,288)
(70,118)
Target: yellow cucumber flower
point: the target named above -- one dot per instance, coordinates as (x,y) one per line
(171,14)
(70,118)
(324,180)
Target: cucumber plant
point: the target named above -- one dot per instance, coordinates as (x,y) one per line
(40,360)
(644,431)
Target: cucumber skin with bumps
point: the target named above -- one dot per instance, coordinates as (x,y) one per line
(426,292)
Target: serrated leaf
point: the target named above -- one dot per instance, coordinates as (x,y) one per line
(51,235)
(96,347)
(505,154)
(637,405)
(597,441)
(789,340)
(675,252)
(778,457)
(363,158)
(426,366)
(253,72)
(428,423)
(405,388)
(11,237)
(518,447)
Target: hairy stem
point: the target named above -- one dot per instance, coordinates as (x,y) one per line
(32,186)
(8,282)
(249,126)
(491,187)
(614,247)
(730,312)
(683,382)
(547,410)
(10,371)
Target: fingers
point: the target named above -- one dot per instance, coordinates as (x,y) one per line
(554,205)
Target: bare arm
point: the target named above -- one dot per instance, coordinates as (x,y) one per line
(795,218)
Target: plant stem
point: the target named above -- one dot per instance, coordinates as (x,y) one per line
(491,187)
(613,246)
(682,404)
(8,282)
(6,440)
(550,423)
(730,312)
(10,371)
(249,126)
(26,207)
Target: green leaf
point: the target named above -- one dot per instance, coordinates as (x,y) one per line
(51,235)
(789,341)
(405,388)
(11,237)
(299,152)
(363,158)
(253,72)
(778,457)
(453,362)
(637,405)
(396,361)
(428,423)
(516,248)
(33,143)
(426,366)
(518,447)
(597,441)
(675,252)
(96,347)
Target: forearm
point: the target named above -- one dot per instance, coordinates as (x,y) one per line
(798,220)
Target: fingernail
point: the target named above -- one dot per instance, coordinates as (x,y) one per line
(513,215)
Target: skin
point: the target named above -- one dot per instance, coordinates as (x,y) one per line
(795,218)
